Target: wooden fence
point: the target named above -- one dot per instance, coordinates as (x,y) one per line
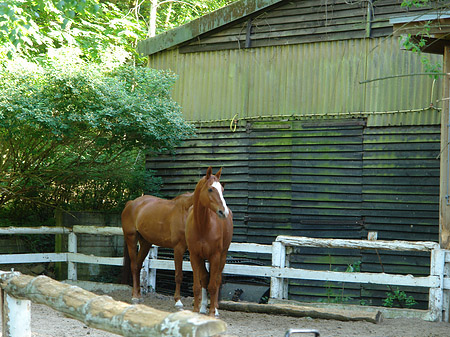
(279,272)
(101,312)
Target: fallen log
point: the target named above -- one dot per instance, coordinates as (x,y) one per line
(103,312)
(302,311)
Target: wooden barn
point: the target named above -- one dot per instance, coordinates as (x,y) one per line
(323,125)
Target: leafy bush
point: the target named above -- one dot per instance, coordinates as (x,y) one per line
(75,135)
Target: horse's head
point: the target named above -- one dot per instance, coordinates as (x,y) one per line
(211,194)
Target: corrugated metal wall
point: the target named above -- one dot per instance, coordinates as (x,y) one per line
(321,178)
(312,78)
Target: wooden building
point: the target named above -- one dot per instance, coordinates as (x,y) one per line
(302,104)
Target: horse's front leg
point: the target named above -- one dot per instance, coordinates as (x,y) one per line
(178,257)
(215,279)
(204,280)
(196,263)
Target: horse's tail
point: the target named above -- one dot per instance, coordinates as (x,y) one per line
(126,269)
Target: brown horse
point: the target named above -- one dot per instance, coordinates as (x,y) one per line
(155,221)
(209,229)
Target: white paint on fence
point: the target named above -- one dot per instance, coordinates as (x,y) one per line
(16,317)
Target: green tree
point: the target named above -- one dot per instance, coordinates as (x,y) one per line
(30,28)
(416,43)
(75,134)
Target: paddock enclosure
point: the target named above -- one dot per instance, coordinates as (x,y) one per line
(324,128)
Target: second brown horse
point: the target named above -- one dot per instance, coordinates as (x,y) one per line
(155,221)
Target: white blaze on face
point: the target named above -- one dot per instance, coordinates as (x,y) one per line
(218,187)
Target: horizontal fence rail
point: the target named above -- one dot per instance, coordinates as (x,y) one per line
(279,272)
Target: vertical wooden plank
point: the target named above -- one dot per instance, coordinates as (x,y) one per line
(16,316)
(277,284)
(444,207)
(58,244)
(446,301)
(436,295)
(71,266)
(151,272)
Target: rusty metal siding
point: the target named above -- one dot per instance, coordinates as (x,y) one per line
(313,78)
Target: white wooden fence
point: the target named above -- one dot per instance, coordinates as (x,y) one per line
(438,281)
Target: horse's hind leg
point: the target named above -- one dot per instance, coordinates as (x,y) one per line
(178,257)
(131,241)
(144,247)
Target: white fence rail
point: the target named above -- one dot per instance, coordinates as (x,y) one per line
(438,281)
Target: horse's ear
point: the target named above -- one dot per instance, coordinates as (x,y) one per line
(219,173)
(208,172)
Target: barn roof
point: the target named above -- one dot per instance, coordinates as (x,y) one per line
(432,28)
(256,23)
(219,18)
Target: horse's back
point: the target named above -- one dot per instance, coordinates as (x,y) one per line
(133,209)
(155,219)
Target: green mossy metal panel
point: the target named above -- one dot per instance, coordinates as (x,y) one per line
(322,78)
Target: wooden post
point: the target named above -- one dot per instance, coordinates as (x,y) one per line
(278,285)
(58,244)
(446,301)
(436,295)
(444,201)
(151,282)
(16,316)
(71,266)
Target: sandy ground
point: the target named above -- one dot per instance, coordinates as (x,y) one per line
(49,323)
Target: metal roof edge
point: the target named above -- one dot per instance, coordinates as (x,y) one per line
(218,18)
(421,17)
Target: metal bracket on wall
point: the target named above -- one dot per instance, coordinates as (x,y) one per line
(248,41)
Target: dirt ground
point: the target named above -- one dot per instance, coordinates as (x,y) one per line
(48,323)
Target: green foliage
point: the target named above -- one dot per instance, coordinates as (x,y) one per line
(332,297)
(172,14)
(30,28)
(74,134)
(399,297)
(415,3)
(418,42)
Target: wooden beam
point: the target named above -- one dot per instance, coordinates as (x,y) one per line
(444,201)
(303,311)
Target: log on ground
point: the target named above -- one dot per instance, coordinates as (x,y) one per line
(302,311)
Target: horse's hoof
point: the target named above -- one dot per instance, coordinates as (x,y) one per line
(179,305)
(203,310)
(216,313)
(136,300)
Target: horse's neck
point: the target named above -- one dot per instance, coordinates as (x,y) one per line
(201,213)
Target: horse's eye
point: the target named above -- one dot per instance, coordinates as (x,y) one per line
(210,189)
